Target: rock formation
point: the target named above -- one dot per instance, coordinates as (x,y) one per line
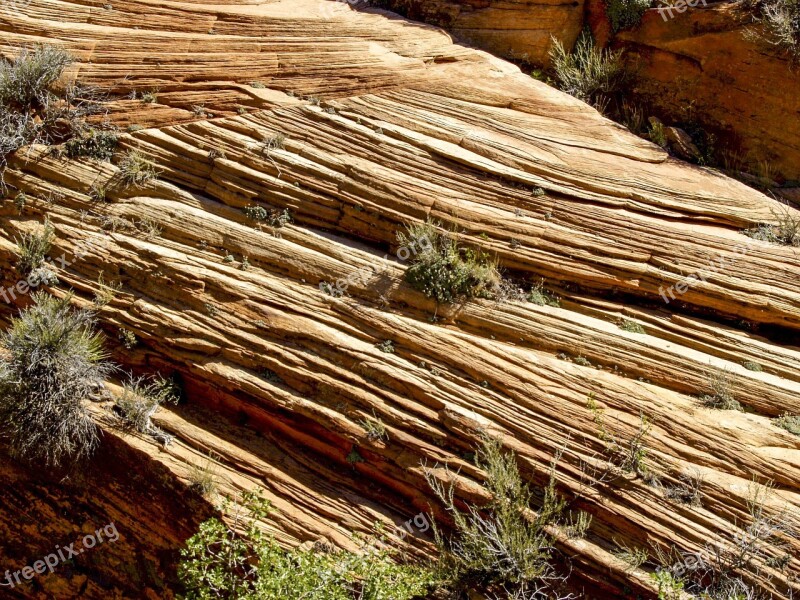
(383,122)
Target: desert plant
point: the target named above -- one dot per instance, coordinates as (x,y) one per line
(752,366)
(386,346)
(780,23)
(578,524)
(589,73)
(54,363)
(499,545)
(219,562)
(443,270)
(94,143)
(721,383)
(128,339)
(543,297)
(375,428)
(203,477)
(785,230)
(33,248)
(790,423)
(626,14)
(632,557)
(136,169)
(631,326)
(687,490)
(140,399)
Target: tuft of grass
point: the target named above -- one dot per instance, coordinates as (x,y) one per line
(386,346)
(354,456)
(445,271)
(784,231)
(632,557)
(589,73)
(136,169)
(578,524)
(33,248)
(53,362)
(375,428)
(149,97)
(790,423)
(721,384)
(203,478)
(543,297)
(139,401)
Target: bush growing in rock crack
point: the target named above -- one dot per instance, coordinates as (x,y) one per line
(54,363)
(444,270)
(140,399)
(780,24)
(589,73)
(34,110)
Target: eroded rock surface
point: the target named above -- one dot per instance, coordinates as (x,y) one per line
(388,122)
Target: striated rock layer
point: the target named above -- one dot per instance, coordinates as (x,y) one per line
(387,122)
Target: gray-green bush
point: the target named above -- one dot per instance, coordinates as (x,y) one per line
(54,363)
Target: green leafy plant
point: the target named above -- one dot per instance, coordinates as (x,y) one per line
(626,14)
(721,385)
(375,428)
(218,562)
(94,143)
(543,297)
(445,271)
(631,326)
(54,362)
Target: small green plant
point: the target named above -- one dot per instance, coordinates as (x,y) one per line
(354,457)
(578,524)
(136,169)
(276,141)
(257,85)
(633,458)
(752,366)
(220,562)
(98,192)
(20,201)
(52,362)
(211,309)
(127,338)
(386,346)
(790,423)
(657,133)
(134,127)
(626,14)
(670,587)
(375,429)
(443,270)
(631,326)
(721,385)
(543,297)
(245,264)
(94,143)
(228,258)
(149,228)
(32,248)
(589,73)
(784,231)
(149,97)
(632,557)
(105,292)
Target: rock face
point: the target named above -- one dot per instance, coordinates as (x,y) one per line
(702,67)
(517,29)
(384,122)
(698,66)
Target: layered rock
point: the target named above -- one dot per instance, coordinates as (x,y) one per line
(386,123)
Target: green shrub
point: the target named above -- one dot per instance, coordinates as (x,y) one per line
(543,297)
(625,14)
(790,423)
(631,326)
(443,270)
(55,362)
(721,385)
(33,248)
(218,562)
(589,73)
(136,169)
(95,143)
(375,428)
(25,83)
(784,231)
(499,545)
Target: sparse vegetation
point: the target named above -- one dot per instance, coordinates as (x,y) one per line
(139,401)
(443,270)
(31,112)
(218,562)
(500,546)
(589,73)
(274,217)
(626,14)
(33,248)
(203,478)
(631,326)
(780,23)
(375,428)
(94,143)
(784,231)
(790,423)
(632,557)
(543,297)
(54,363)
(136,169)
(386,346)
(721,385)
(128,339)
